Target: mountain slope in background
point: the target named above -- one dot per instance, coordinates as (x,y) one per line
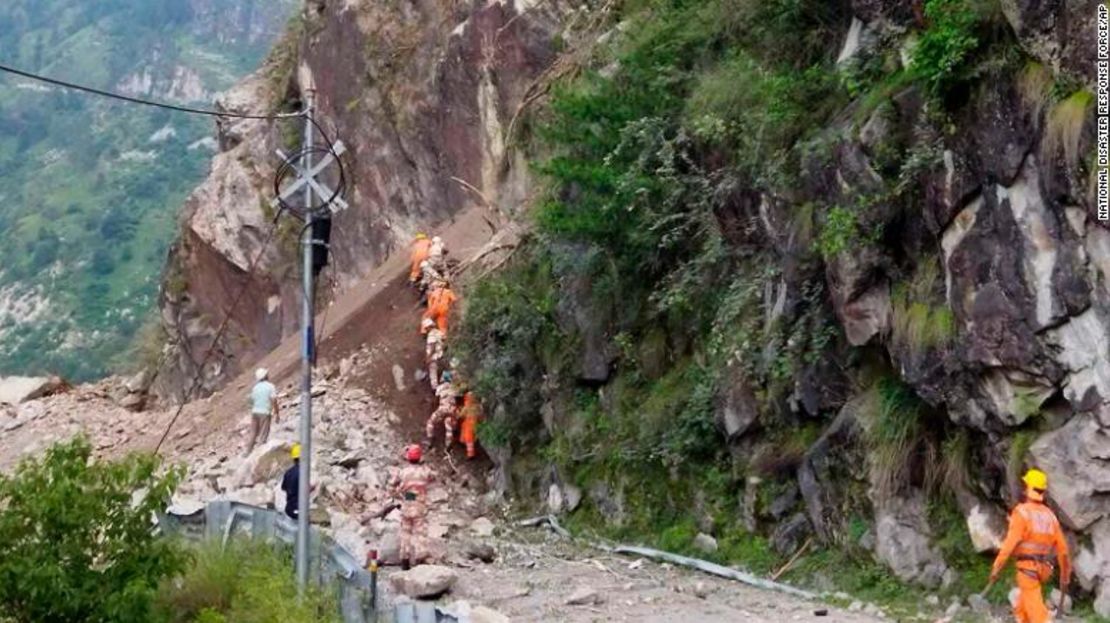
(89,187)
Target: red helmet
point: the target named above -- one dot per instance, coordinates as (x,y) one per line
(414,453)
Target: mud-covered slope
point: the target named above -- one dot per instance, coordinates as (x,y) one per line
(422,96)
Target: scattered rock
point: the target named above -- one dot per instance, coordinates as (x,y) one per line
(465,613)
(572,497)
(17,389)
(349,461)
(1054,600)
(953,608)
(987,527)
(399,377)
(424,581)
(932,600)
(482,527)
(584,596)
(705,543)
(855,606)
(902,540)
(788,536)
(555,500)
(478,550)
(703,590)
(264,463)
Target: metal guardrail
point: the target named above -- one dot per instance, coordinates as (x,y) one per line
(329,562)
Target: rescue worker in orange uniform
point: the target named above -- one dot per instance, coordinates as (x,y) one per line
(1035,540)
(470,413)
(411,484)
(440,301)
(445,413)
(421,250)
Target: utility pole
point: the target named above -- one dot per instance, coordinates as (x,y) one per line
(303,487)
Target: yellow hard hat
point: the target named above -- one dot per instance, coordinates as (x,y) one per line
(296,451)
(421,235)
(1036,479)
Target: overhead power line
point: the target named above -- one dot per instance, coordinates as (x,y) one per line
(143,102)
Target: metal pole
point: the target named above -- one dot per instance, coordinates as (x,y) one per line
(303,488)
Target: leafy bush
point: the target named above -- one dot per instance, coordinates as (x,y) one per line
(959,33)
(76,543)
(246,582)
(506,334)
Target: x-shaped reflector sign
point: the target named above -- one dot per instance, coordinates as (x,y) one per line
(310,178)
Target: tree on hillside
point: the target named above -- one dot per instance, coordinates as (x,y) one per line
(76,537)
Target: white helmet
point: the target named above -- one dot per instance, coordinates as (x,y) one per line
(261,373)
(437,240)
(427,323)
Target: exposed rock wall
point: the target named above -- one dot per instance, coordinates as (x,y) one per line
(1013,221)
(1001,214)
(422,94)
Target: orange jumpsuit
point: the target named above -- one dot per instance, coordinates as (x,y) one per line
(421,249)
(440,301)
(470,414)
(412,484)
(1035,540)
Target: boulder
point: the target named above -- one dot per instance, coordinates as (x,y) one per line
(789,535)
(424,581)
(482,527)
(584,596)
(705,543)
(133,402)
(987,527)
(140,382)
(737,410)
(1082,345)
(572,497)
(389,548)
(826,470)
(477,550)
(465,613)
(554,499)
(264,463)
(902,540)
(17,389)
(1076,458)
(860,295)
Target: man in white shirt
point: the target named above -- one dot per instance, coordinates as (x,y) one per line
(263,407)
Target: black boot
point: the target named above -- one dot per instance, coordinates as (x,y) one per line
(405,566)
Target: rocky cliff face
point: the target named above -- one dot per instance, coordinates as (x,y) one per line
(422,96)
(973,272)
